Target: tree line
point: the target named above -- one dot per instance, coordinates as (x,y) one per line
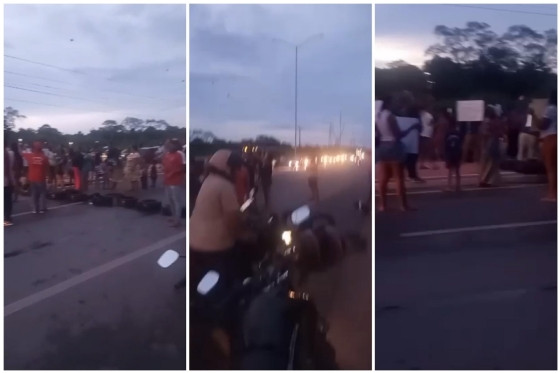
(131,131)
(475,62)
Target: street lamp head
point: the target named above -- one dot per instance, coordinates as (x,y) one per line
(312,37)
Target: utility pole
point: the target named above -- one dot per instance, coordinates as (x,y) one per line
(340,129)
(330,132)
(299,128)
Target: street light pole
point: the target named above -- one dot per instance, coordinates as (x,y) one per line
(295,122)
(297,46)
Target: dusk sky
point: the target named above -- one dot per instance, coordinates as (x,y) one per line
(242,79)
(109,61)
(404,32)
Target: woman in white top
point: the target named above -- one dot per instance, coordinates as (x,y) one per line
(426,142)
(390,153)
(549,130)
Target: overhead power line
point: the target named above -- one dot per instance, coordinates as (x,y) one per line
(35,77)
(92,89)
(30,102)
(48,93)
(502,10)
(43,64)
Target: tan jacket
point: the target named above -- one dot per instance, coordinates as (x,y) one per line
(208,227)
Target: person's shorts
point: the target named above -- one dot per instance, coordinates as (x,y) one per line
(389,151)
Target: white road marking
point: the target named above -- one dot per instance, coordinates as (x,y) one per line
(92,273)
(476,189)
(50,208)
(478,228)
(506,174)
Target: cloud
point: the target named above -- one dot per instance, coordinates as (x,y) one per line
(110,61)
(242,75)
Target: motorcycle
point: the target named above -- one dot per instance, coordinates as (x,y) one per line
(271,323)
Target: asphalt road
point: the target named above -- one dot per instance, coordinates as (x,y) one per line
(342,293)
(82,290)
(467,282)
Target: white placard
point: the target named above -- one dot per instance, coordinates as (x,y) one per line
(411,140)
(529,120)
(378,105)
(470,111)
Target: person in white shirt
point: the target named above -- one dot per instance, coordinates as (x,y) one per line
(391,154)
(426,140)
(52,164)
(549,130)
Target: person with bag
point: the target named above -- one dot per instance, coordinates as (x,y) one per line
(391,154)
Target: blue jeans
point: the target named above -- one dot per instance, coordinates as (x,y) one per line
(175,195)
(39,195)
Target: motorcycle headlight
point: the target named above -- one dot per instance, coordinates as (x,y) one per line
(287,237)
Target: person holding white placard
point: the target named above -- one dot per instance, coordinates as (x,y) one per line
(390,154)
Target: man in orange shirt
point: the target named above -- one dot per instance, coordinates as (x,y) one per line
(37,176)
(174,179)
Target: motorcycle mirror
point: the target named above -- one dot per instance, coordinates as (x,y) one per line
(167,258)
(300,215)
(208,282)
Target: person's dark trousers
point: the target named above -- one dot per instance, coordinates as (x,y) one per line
(8,202)
(144,182)
(84,184)
(513,143)
(411,163)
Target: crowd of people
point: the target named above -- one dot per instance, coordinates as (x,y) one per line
(517,135)
(38,168)
(253,170)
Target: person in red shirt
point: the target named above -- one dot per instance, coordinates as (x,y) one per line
(174,179)
(37,176)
